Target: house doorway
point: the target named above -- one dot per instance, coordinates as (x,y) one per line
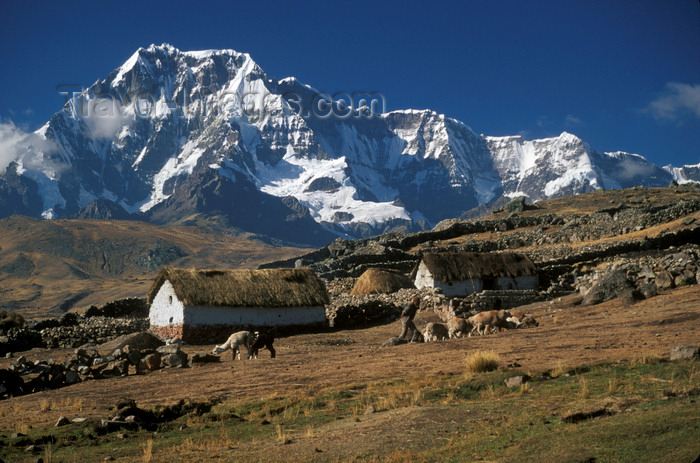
(490,283)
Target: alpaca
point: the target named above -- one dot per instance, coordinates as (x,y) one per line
(435,332)
(234,342)
(260,340)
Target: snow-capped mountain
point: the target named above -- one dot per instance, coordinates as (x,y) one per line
(170,134)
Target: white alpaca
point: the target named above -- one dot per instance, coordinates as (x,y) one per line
(234,342)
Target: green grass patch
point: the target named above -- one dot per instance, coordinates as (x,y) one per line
(645,411)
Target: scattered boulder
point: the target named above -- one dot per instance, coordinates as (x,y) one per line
(11,383)
(516,381)
(62,421)
(685,353)
(112,369)
(664,280)
(176,360)
(168,349)
(152,361)
(515,205)
(140,341)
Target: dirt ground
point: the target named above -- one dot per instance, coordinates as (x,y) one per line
(568,334)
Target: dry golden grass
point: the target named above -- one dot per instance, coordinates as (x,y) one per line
(558,370)
(189,445)
(282,436)
(585,391)
(45,405)
(645,360)
(147,451)
(613,385)
(525,388)
(482,361)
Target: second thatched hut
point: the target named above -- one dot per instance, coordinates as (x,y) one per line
(379,280)
(464,273)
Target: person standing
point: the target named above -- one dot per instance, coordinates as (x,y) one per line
(407,314)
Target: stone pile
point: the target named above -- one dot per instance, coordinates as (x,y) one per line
(69,331)
(96,330)
(25,376)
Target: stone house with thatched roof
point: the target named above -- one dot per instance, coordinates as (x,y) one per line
(464,273)
(206,306)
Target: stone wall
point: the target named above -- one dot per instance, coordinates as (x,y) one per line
(212,334)
(486,300)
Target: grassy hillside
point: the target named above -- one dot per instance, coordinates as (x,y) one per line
(49,267)
(601,389)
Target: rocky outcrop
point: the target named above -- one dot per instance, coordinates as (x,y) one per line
(639,276)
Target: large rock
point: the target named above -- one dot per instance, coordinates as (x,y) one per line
(613,284)
(176,360)
(152,361)
(139,341)
(10,383)
(516,381)
(685,353)
(113,369)
(515,205)
(664,280)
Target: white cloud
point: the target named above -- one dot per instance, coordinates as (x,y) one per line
(630,168)
(16,144)
(572,121)
(677,101)
(105,118)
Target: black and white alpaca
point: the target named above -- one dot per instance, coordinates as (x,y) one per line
(234,342)
(260,340)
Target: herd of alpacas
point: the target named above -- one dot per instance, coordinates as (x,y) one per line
(481,323)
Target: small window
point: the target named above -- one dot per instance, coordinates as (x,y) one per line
(170,300)
(170,321)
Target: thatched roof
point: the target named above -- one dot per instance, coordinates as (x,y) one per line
(298,287)
(459,266)
(378,280)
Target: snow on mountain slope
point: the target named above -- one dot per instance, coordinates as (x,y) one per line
(685,174)
(172,133)
(565,164)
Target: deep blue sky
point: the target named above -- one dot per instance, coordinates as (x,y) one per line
(621,74)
